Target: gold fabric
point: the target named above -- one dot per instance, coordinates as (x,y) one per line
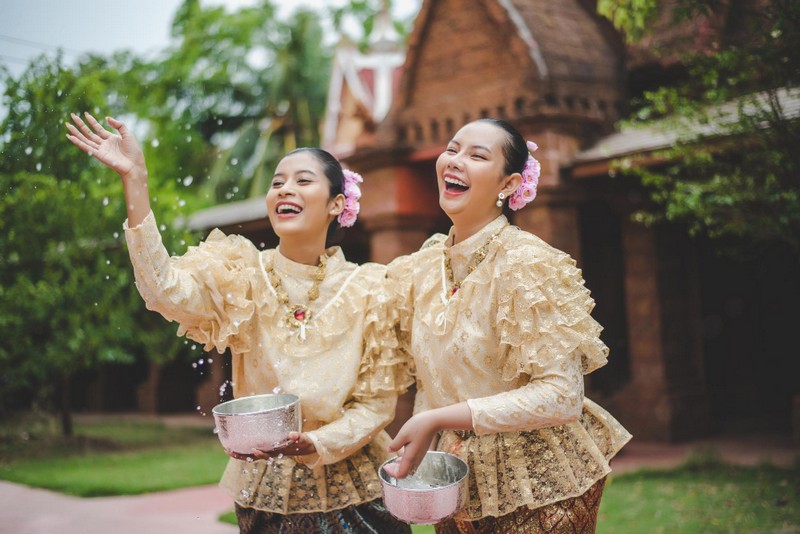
(577,515)
(347,372)
(514,342)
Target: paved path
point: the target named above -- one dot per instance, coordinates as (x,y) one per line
(26,510)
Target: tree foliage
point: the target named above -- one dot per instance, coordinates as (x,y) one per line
(733,172)
(67,298)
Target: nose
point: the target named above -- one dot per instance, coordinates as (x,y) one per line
(455,161)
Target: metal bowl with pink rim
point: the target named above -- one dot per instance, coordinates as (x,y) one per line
(260,422)
(435,492)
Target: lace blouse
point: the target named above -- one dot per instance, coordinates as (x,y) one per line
(514,342)
(347,372)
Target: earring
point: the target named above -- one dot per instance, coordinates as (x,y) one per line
(500,198)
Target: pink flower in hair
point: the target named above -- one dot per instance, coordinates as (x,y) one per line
(352,193)
(526,191)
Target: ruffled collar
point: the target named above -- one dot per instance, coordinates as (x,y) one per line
(463,251)
(284,265)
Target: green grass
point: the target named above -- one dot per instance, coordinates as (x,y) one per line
(110,457)
(230,517)
(703,497)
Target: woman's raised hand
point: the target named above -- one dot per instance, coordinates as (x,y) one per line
(118,152)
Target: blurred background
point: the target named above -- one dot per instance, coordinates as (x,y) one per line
(668,134)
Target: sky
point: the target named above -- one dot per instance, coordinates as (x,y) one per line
(31,27)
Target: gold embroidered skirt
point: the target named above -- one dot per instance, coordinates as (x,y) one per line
(577,515)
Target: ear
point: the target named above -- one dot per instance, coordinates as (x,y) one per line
(336,205)
(511,183)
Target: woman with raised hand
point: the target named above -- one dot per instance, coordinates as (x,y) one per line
(499,327)
(299,318)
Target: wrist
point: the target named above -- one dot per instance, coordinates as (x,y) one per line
(137,175)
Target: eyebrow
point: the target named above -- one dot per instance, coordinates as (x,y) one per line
(301,171)
(479,147)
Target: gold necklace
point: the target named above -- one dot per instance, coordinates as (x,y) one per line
(477,258)
(298,316)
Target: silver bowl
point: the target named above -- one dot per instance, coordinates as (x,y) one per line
(260,422)
(435,492)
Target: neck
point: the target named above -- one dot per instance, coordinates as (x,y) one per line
(466,228)
(302,251)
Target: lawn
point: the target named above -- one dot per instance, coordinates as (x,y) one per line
(109,457)
(114,457)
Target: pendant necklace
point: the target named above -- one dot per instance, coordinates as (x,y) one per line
(450,285)
(297,316)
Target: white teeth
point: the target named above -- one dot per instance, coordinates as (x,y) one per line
(455,181)
(286,208)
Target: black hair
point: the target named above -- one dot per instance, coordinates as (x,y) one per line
(515,150)
(333,172)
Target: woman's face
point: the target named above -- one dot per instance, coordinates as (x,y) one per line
(470,173)
(299,202)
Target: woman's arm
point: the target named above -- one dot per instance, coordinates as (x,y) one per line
(553,398)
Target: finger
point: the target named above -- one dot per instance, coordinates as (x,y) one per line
(118,126)
(80,144)
(97,127)
(89,134)
(78,135)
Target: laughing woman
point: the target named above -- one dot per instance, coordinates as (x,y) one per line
(499,326)
(300,318)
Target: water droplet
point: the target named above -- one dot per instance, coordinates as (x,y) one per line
(154,143)
(216,430)
(181,203)
(188,180)
(105,201)
(28,150)
(59,92)
(38,167)
(276,390)
(234,162)
(116,236)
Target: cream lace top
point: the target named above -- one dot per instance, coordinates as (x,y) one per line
(347,372)
(513,342)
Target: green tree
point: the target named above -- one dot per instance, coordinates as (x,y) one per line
(67,298)
(733,171)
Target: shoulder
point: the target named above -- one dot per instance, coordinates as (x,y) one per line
(518,246)
(234,248)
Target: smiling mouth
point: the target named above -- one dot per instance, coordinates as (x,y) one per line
(454,185)
(288,209)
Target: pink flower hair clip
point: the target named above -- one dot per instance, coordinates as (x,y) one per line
(351,195)
(526,191)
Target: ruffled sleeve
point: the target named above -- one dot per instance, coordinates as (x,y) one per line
(384,373)
(206,291)
(400,284)
(547,338)
(543,311)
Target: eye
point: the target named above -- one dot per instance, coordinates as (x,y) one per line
(277,183)
(479,156)
(451,150)
(303,181)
